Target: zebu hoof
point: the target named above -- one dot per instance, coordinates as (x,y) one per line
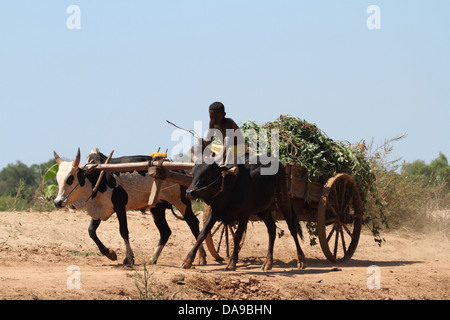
(128,261)
(202,260)
(202,256)
(153,260)
(187,264)
(267,265)
(301,264)
(111,255)
(231,266)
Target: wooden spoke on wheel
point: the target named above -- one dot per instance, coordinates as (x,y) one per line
(339,218)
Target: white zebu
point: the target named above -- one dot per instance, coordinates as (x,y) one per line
(119,192)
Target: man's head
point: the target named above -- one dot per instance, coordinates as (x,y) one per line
(217,113)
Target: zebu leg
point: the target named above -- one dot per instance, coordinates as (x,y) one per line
(242,226)
(271,229)
(110,254)
(192,222)
(284,204)
(159,217)
(187,263)
(123,228)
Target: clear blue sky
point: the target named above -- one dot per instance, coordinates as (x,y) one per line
(134,64)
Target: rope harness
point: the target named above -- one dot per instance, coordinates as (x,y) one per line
(222,175)
(76,186)
(94,190)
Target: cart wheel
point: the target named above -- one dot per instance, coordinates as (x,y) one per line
(220,241)
(339,218)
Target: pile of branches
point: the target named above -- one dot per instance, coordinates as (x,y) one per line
(305,144)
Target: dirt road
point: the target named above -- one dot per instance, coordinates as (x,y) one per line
(50,256)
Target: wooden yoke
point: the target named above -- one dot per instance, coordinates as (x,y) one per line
(158,175)
(99,180)
(139,166)
(102,173)
(159,169)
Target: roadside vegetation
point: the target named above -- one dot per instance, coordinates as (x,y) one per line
(22,187)
(414,196)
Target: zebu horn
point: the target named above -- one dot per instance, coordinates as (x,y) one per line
(57,158)
(76,162)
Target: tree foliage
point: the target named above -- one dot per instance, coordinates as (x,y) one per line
(411,193)
(437,172)
(19,183)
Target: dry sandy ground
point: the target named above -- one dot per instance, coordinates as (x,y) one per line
(42,255)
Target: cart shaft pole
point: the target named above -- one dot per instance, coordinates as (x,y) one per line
(144,165)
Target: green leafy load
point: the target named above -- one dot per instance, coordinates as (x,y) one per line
(305,144)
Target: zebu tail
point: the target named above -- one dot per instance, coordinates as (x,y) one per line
(176,216)
(296,222)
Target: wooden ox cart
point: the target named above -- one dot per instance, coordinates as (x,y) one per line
(335,206)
